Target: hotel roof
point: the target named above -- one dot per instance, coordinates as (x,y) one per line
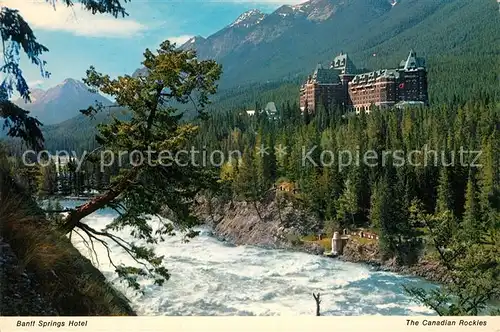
(325,75)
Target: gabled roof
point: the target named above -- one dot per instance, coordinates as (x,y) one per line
(326,75)
(413,62)
(374,75)
(343,64)
(271,107)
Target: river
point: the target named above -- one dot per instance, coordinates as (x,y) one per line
(210,277)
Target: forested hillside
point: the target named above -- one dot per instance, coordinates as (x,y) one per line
(430,187)
(426,180)
(458,38)
(286,43)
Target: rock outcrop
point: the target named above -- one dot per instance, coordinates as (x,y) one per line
(369,253)
(278,226)
(283,226)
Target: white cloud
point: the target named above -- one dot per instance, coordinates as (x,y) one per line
(35,84)
(41,15)
(179,40)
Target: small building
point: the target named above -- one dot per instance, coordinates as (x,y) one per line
(338,243)
(407,104)
(287,186)
(368,235)
(271,110)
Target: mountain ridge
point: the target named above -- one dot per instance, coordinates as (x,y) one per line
(60,102)
(248,19)
(293,39)
(456,36)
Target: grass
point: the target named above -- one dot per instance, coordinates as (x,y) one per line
(68,281)
(364,240)
(326,242)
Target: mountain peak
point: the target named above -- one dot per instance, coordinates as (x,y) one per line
(70,81)
(194,39)
(313,10)
(249,18)
(192,43)
(61,102)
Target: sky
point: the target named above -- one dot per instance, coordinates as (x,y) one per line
(76,39)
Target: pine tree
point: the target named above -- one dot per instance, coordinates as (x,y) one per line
(18,36)
(382,218)
(489,181)
(47,184)
(347,204)
(142,189)
(445,200)
(472,216)
(246,181)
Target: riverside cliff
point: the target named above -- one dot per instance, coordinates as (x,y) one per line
(285,226)
(275,226)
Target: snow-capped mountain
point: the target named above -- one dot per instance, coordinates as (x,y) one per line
(260,47)
(255,36)
(313,10)
(60,102)
(249,19)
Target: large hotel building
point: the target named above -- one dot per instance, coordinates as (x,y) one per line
(341,85)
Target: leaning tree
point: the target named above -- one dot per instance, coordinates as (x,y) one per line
(141,190)
(155,175)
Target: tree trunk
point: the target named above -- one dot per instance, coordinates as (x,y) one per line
(257,209)
(278,204)
(317,298)
(97,203)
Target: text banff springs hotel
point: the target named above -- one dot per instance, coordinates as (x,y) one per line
(51,323)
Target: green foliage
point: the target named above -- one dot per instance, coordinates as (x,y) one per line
(47,185)
(17,38)
(294,239)
(444,193)
(412,205)
(65,278)
(139,190)
(457,37)
(449,201)
(347,204)
(473,267)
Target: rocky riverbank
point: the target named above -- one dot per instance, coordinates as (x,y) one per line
(283,225)
(368,253)
(274,226)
